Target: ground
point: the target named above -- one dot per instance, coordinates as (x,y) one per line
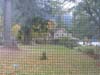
(61,61)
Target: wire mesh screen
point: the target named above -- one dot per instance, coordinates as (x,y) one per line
(49,37)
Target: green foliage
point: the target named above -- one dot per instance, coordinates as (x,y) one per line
(82,27)
(86,49)
(67,42)
(20,36)
(33,29)
(39,25)
(87,18)
(91,50)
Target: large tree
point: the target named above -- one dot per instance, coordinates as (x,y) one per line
(82,27)
(87,17)
(8,40)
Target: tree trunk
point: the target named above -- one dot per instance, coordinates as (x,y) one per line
(8,40)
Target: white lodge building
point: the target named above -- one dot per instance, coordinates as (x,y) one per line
(59,33)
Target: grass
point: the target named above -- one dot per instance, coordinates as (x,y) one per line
(61,61)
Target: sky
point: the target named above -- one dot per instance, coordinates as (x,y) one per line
(68,5)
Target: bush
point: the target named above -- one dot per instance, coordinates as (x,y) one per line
(91,50)
(67,42)
(40,41)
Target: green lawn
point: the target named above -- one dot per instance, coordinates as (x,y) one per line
(61,61)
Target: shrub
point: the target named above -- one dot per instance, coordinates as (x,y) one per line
(90,50)
(70,43)
(67,42)
(15,29)
(86,49)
